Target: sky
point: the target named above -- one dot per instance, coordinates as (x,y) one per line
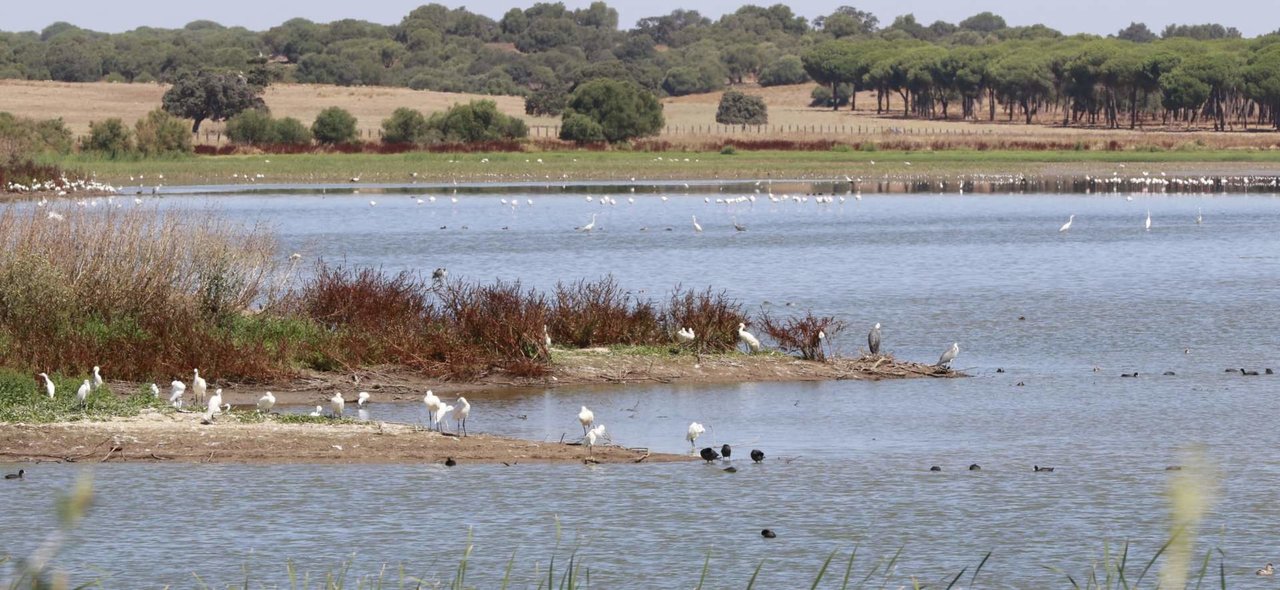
(1252,17)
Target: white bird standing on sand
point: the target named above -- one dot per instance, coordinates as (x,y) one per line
(695,430)
(83,392)
(336,403)
(593,435)
(460,414)
(1147,225)
(48,385)
(155,391)
(1066,226)
(590,226)
(176,389)
(199,386)
(97,377)
(443,416)
(433,405)
(696,227)
(685,335)
(751,341)
(362,399)
(949,355)
(215,402)
(586,418)
(319,411)
(266,402)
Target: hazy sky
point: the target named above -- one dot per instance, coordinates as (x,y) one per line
(1253,17)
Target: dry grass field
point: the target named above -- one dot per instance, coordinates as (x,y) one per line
(690,119)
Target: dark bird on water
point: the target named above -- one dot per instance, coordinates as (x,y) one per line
(449,462)
(709,454)
(975,467)
(873,339)
(768,534)
(757,455)
(1133,374)
(725,451)
(18,475)
(1251,373)
(1040,469)
(730,469)
(935,468)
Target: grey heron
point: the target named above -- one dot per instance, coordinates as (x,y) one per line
(873,339)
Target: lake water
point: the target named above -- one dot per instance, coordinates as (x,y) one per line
(848,461)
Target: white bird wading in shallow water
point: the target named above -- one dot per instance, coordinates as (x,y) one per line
(48,385)
(362,398)
(586,418)
(590,226)
(753,343)
(336,403)
(949,355)
(696,226)
(695,430)
(1066,226)
(1147,225)
(266,402)
(319,411)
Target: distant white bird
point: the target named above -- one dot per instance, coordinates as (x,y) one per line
(48,385)
(1066,226)
(319,411)
(586,418)
(1147,225)
(1199,217)
(949,355)
(460,414)
(97,377)
(590,226)
(443,416)
(373,203)
(592,436)
(176,389)
(155,391)
(696,226)
(336,403)
(695,430)
(433,405)
(215,402)
(199,387)
(83,393)
(685,335)
(546,337)
(747,338)
(266,402)
(362,398)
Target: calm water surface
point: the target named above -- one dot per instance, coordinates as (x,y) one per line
(848,460)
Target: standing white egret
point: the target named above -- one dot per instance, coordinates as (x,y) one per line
(949,355)
(433,405)
(1066,226)
(546,337)
(336,403)
(443,416)
(97,377)
(1147,225)
(199,386)
(362,398)
(1199,217)
(266,402)
(696,226)
(83,393)
(592,436)
(460,414)
(586,418)
(685,335)
(215,402)
(319,411)
(747,338)
(155,391)
(176,389)
(48,385)
(873,339)
(695,430)
(590,226)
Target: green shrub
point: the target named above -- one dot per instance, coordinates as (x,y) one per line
(737,108)
(728,150)
(253,126)
(334,125)
(623,111)
(582,129)
(161,133)
(405,125)
(788,69)
(821,96)
(29,136)
(291,131)
(547,102)
(110,137)
(478,120)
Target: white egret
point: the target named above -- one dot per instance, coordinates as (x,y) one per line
(873,339)
(83,392)
(1199,217)
(199,387)
(1147,225)
(155,391)
(215,402)
(176,389)
(362,398)
(460,414)
(586,418)
(685,335)
(949,355)
(590,226)
(546,337)
(319,411)
(747,338)
(696,226)
(592,436)
(266,402)
(433,405)
(48,385)
(443,416)
(97,377)
(695,430)
(336,403)
(1066,226)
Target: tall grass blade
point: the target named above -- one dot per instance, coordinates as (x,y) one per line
(822,572)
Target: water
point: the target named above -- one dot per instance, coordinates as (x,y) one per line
(848,460)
